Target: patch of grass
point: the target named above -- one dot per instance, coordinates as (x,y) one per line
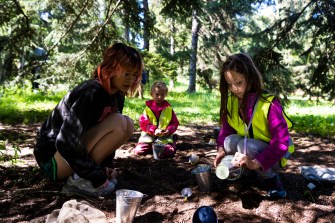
(26,106)
(197,108)
(311,117)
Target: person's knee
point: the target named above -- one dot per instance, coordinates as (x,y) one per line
(240,146)
(129,127)
(253,146)
(231,143)
(124,126)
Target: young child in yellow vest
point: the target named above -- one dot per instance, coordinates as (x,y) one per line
(254,126)
(158,123)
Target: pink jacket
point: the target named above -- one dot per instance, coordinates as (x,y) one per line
(148,127)
(279,142)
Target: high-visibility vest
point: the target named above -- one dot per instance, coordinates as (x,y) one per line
(162,123)
(260,126)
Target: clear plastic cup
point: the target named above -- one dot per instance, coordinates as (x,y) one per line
(226,169)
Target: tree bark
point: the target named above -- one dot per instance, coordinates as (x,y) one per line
(193,56)
(146,31)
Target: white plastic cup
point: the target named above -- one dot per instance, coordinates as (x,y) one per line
(127,203)
(226,169)
(194,158)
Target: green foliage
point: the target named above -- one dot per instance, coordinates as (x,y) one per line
(207,79)
(315,124)
(312,117)
(179,9)
(159,67)
(293,42)
(277,78)
(19,104)
(3,148)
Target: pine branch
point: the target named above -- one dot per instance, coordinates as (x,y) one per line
(70,27)
(100,29)
(18,6)
(291,24)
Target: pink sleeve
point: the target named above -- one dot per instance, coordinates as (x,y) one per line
(225,131)
(146,125)
(172,127)
(279,142)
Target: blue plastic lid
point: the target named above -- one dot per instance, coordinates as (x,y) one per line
(201,169)
(204,214)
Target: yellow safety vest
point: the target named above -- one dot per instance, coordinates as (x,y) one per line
(260,125)
(162,123)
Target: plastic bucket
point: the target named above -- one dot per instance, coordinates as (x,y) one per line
(203,176)
(157,150)
(127,203)
(226,170)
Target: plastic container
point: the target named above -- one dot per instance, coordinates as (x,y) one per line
(203,176)
(127,203)
(226,169)
(157,150)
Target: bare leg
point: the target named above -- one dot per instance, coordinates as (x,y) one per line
(63,168)
(104,139)
(101,140)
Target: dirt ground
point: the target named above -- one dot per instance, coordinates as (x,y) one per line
(26,196)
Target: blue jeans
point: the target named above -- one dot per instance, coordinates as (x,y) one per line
(235,143)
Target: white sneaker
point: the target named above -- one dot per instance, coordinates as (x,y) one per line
(84,187)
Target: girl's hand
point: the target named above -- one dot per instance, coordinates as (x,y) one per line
(111,173)
(158,132)
(242,159)
(221,153)
(165,133)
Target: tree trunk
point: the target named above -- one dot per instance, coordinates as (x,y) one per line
(193,56)
(127,31)
(146,31)
(172,49)
(172,30)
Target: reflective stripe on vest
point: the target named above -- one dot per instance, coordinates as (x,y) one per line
(260,125)
(163,122)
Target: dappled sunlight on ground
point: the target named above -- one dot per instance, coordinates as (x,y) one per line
(26,195)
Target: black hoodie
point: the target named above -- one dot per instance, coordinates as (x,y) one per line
(63,131)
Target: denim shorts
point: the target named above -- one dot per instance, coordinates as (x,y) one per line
(50,169)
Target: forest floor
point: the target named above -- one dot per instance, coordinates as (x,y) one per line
(26,196)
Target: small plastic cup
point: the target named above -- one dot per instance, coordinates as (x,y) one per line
(194,158)
(226,169)
(127,203)
(186,193)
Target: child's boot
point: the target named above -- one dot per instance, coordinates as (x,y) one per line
(175,138)
(169,151)
(276,189)
(143,148)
